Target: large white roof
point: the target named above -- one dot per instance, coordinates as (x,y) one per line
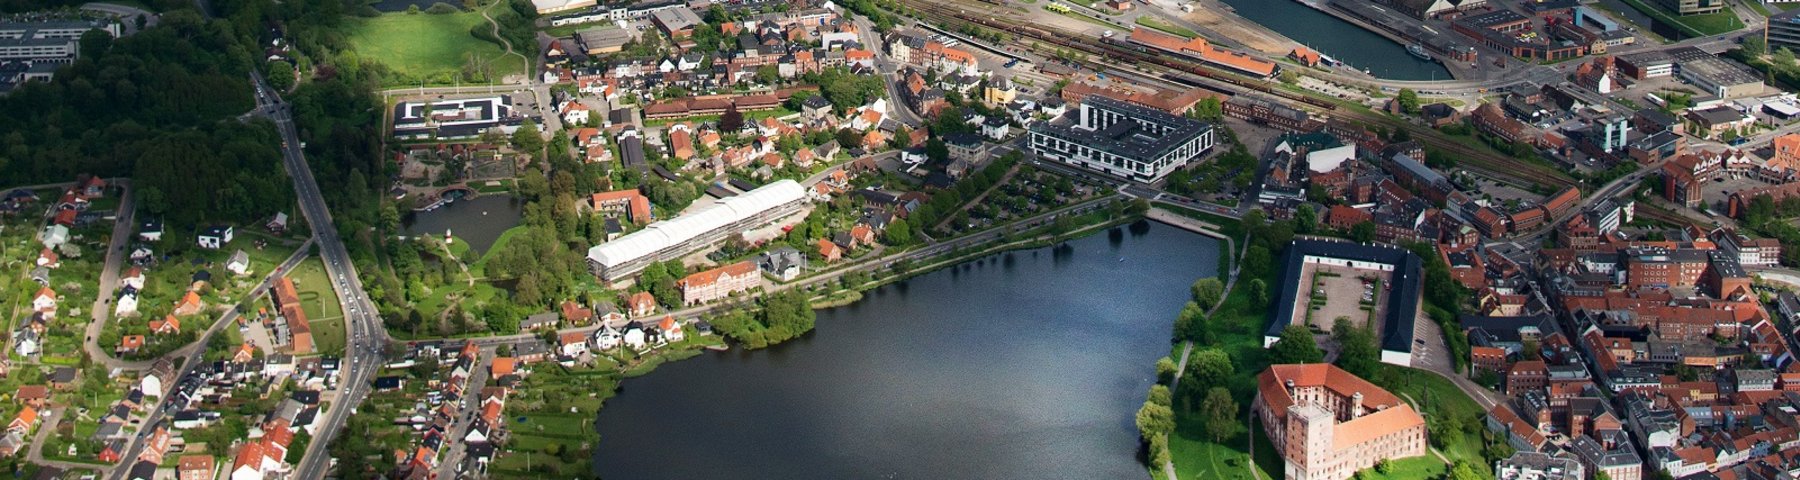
(676,230)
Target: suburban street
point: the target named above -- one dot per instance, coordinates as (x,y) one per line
(191,356)
(123,226)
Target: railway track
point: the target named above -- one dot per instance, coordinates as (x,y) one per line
(1191,73)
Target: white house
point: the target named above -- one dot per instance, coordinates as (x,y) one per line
(151,231)
(25,342)
(44,301)
(574,113)
(995,128)
(671,330)
(133,278)
(634,338)
(55,235)
(215,237)
(239,264)
(607,338)
(127,305)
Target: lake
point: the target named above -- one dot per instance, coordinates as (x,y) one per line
(1029,364)
(478,220)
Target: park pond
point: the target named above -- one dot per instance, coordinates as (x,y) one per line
(478,221)
(1027,364)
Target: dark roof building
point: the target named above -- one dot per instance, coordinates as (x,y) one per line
(1396,333)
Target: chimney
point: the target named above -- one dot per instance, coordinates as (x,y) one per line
(1356,405)
(1290,388)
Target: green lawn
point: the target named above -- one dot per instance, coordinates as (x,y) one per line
(429,48)
(1693,25)
(321,304)
(1439,398)
(1408,469)
(1082,17)
(1166,27)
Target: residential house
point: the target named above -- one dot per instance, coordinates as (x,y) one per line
(215,237)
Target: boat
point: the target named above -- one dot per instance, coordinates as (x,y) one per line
(1418,51)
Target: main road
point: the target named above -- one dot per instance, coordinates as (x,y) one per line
(366,335)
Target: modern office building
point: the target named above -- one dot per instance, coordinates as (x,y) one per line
(679,236)
(1123,139)
(1783,30)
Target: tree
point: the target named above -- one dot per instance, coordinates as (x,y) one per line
(1357,351)
(1258,262)
(527,138)
(1207,109)
(1295,346)
(1154,419)
(1408,100)
(768,74)
(1259,291)
(1165,370)
(1221,414)
(1784,57)
(281,75)
(1190,324)
(1211,366)
(1208,292)
(848,138)
(1305,219)
(1462,471)
(297,447)
(1363,232)
(1755,46)
(732,120)
(898,233)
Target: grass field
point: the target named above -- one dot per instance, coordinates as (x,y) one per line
(429,48)
(1693,25)
(321,304)
(1166,27)
(1439,398)
(1408,468)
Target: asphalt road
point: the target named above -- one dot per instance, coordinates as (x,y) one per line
(123,225)
(366,335)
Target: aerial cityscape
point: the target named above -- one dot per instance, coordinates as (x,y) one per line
(785,239)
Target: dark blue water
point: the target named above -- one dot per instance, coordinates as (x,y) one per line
(1029,364)
(1339,39)
(479,220)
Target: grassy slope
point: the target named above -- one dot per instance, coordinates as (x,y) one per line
(321,305)
(427,46)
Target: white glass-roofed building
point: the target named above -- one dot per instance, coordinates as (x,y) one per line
(679,236)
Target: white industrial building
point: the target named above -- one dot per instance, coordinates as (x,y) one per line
(679,236)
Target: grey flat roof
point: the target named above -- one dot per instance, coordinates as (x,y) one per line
(1127,138)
